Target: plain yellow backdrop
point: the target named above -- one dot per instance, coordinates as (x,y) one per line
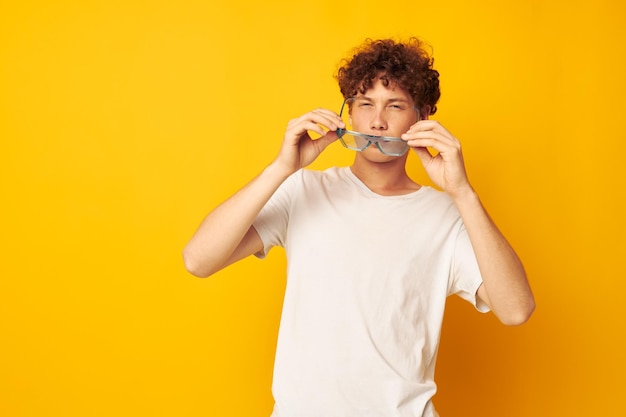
(122,123)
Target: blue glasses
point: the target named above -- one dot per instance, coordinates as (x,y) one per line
(357,107)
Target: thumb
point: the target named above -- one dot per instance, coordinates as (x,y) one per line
(326,140)
(424,154)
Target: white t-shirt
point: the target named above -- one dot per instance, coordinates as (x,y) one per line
(367,280)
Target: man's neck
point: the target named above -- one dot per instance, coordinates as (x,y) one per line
(385,178)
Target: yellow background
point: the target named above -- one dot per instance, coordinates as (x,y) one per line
(122,123)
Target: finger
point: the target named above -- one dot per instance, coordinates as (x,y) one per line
(435,143)
(327,118)
(317,123)
(330,124)
(429,126)
(305,126)
(431,138)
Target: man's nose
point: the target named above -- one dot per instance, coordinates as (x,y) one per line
(379,121)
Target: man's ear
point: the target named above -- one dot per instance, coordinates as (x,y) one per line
(425,112)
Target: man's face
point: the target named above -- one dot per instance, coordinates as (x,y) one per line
(383,111)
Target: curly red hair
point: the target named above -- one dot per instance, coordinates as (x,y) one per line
(405,64)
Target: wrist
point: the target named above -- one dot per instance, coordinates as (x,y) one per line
(279,170)
(464,195)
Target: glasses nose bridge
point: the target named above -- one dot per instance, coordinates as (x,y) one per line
(373,140)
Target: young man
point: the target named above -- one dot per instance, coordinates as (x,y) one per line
(372,255)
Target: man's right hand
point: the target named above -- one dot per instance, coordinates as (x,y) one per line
(298,149)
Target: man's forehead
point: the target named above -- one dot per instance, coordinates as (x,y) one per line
(387,91)
(366,97)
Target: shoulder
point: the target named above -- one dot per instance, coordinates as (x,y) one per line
(438,204)
(325,178)
(305,181)
(333,172)
(435,196)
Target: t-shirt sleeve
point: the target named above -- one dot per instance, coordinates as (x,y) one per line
(271,223)
(466,277)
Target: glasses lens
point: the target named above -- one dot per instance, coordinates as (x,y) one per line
(357,143)
(393,147)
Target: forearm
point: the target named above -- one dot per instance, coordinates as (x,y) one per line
(505,286)
(222,231)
